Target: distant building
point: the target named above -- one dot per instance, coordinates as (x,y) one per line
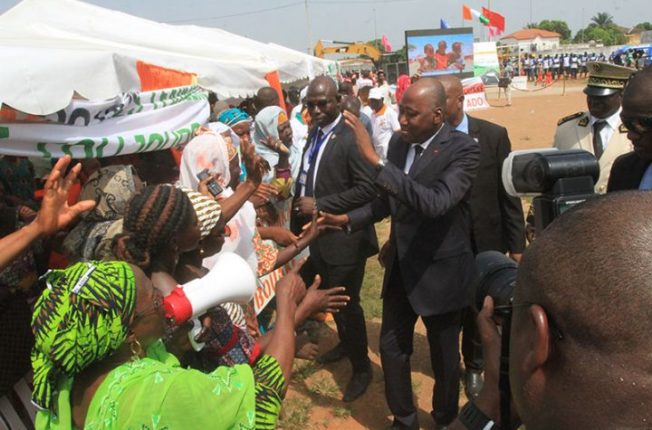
(532,40)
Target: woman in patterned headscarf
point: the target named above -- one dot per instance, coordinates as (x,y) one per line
(98,363)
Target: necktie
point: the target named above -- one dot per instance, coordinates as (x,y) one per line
(313,155)
(598,145)
(418,150)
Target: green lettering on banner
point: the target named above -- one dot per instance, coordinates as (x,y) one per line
(100,147)
(194,127)
(4,132)
(182,132)
(163,98)
(177,137)
(121,145)
(41,147)
(152,100)
(164,143)
(86,143)
(154,137)
(140,140)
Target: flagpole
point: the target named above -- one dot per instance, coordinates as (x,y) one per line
(487,26)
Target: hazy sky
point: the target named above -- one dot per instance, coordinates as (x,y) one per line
(284,21)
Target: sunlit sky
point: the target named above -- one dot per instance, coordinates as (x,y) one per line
(285,21)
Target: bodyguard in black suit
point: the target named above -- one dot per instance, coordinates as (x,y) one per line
(497,217)
(424,187)
(632,171)
(334,178)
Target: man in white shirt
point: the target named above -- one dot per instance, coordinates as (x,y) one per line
(598,130)
(384,122)
(381,84)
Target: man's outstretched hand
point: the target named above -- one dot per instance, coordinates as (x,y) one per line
(362,138)
(55,213)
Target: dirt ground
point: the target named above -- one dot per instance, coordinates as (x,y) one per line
(314,398)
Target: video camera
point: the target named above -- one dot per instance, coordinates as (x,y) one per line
(558,180)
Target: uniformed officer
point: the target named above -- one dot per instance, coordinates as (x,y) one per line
(599,130)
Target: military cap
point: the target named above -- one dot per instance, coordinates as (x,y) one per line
(606,79)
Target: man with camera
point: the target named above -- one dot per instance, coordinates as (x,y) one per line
(632,171)
(497,218)
(579,356)
(598,131)
(424,186)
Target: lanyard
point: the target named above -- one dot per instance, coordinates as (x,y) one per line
(314,149)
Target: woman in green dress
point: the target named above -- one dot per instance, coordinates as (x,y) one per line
(99,364)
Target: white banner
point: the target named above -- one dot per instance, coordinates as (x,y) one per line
(474,94)
(132,122)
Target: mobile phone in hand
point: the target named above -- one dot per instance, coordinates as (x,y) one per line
(213,187)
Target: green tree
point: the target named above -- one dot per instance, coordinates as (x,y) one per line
(557,26)
(607,36)
(603,20)
(645,26)
(531,25)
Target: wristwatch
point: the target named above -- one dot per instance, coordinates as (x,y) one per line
(381,164)
(474,419)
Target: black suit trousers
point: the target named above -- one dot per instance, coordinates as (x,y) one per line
(396,346)
(350,321)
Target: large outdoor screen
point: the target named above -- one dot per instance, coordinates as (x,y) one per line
(440,52)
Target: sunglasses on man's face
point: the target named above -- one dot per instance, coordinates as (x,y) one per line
(321,104)
(640,125)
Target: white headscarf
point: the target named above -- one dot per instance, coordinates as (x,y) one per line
(206,151)
(209,151)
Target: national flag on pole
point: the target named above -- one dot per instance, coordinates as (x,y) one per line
(495,19)
(468,14)
(443,24)
(386,45)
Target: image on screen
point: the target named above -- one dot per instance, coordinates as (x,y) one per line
(440,52)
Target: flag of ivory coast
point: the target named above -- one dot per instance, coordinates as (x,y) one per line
(468,14)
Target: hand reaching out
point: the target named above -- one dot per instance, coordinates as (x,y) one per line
(55,213)
(257,167)
(362,138)
(275,145)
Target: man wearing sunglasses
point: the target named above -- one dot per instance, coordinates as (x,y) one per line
(599,130)
(334,178)
(632,171)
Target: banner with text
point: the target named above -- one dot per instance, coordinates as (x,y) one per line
(267,283)
(130,123)
(474,94)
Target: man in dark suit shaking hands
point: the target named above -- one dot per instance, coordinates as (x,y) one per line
(497,217)
(334,178)
(424,186)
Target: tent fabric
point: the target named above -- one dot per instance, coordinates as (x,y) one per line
(62,48)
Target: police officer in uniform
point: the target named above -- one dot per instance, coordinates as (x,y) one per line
(598,130)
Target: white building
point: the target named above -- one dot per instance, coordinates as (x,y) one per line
(532,40)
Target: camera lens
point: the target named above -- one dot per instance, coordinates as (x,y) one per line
(496,278)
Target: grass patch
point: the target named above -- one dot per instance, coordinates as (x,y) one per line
(341,412)
(295,414)
(373,277)
(323,387)
(303,369)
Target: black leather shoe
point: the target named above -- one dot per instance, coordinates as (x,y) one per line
(357,385)
(335,354)
(397,425)
(473,383)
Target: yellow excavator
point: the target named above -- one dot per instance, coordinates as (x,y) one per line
(354,48)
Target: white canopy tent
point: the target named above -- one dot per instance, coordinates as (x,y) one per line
(62,47)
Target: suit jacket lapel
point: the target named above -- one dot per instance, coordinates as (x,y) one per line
(431,151)
(329,148)
(474,128)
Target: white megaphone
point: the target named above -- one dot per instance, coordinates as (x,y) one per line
(230,280)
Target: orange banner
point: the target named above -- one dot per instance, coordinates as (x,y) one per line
(157,78)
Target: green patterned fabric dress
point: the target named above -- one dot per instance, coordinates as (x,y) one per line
(156,393)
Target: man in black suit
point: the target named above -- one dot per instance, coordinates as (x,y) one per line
(632,171)
(497,217)
(334,178)
(424,186)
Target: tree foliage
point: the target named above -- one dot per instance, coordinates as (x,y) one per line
(602,29)
(557,26)
(645,26)
(603,20)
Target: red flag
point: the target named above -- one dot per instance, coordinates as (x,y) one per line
(386,45)
(495,19)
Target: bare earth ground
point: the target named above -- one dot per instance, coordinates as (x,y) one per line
(313,400)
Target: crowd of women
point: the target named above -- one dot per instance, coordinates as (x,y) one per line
(88,260)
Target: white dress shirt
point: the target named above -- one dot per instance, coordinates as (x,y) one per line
(412,153)
(327,130)
(612,126)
